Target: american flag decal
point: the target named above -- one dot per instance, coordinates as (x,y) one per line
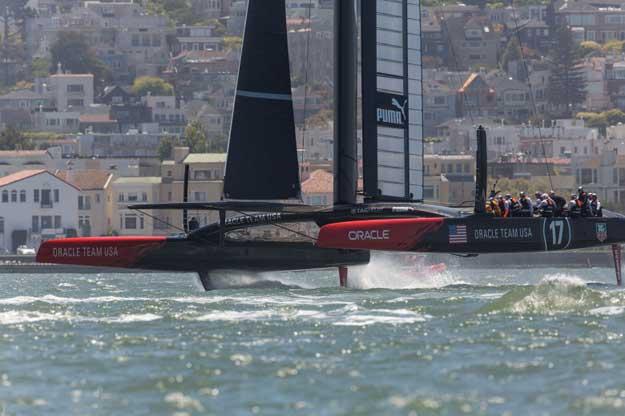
(458,234)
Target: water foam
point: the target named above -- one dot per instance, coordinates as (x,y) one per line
(384,272)
(58,300)
(559,293)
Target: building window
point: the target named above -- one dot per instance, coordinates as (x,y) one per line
(132,197)
(35,224)
(75,102)
(75,88)
(84,203)
(97,198)
(5,196)
(144,196)
(120,197)
(13,195)
(56,195)
(46,222)
(130,222)
(1,225)
(22,196)
(57,221)
(200,197)
(36,195)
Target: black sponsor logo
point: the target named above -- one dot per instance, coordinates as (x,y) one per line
(392,110)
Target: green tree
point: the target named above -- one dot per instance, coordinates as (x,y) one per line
(614,116)
(194,137)
(567,85)
(589,48)
(153,85)
(166,148)
(40,67)
(12,139)
(72,51)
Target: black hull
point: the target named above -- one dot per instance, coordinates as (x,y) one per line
(185,255)
(188,255)
(508,235)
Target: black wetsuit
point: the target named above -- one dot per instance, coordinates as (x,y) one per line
(560,203)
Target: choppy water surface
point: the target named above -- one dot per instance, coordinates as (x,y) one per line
(488,342)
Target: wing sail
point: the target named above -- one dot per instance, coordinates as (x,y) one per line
(392,100)
(262,152)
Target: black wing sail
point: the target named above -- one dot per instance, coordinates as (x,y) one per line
(262,152)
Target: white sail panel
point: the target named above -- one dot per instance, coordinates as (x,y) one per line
(392,99)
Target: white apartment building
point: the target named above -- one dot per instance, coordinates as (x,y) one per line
(95,189)
(129,191)
(170,118)
(71,92)
(36,206)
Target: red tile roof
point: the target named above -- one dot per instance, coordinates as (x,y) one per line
(319,182)
(86,180)
(96,118)
(18,176)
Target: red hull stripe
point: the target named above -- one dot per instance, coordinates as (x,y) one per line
(123,252)
(400,234)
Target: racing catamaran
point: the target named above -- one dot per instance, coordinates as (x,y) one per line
(262,169)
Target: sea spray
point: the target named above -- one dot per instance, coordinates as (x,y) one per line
(391,271)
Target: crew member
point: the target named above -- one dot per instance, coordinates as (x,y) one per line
(560,204)
(574,208)
(504,207)
(527,208)
(193,224)
(595,206)
(583,203)
(515,206)
(547,206)
(494,207)
(538,200)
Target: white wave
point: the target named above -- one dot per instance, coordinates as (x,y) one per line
(52,299)
(381,316)
(24,317)
(608,310)
(233,316)
(127,318)
(179,400)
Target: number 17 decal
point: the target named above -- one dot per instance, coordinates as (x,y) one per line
(557,233)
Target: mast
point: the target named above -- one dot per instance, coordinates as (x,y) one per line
(345,79)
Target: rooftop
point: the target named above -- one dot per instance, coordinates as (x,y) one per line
(25,174)
(18,176)
(206,158)
(86,180)
(319,182)
(139,180)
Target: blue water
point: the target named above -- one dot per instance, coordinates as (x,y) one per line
(492,342)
